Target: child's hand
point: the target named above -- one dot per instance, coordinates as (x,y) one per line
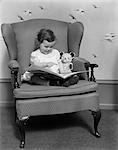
(50,64)
(26,76)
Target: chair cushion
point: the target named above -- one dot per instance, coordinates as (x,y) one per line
(27,91)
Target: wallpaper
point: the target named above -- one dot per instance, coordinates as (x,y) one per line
(99,44)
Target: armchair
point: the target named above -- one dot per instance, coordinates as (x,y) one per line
(34,100)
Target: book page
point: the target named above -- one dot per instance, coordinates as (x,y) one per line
(50,74)
(71,74)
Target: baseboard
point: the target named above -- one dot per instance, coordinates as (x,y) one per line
(109,106)
(6,104)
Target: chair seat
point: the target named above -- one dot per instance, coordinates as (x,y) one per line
(36,91)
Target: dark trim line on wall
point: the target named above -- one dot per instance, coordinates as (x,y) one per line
(100,81)
(5,80)
(103,81)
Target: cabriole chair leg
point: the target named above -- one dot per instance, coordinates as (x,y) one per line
(96,116)
(21,126)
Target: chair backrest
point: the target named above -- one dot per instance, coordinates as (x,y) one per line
(20,37)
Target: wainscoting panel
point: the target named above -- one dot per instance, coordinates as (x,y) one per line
(6,97)
(108,90)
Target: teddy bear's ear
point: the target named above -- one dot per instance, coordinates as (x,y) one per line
(61,53)
(72,54)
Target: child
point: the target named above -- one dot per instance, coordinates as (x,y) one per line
(48,57)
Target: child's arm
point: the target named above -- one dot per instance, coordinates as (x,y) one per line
(35,61)
(26,76)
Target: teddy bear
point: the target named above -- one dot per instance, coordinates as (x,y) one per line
(65,65)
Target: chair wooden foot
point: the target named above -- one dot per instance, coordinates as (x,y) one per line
(96,116)
(21,126)
(22,144)
(97,134)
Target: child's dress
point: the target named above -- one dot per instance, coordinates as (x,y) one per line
(37,57)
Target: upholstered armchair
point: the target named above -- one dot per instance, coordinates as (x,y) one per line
(35,100)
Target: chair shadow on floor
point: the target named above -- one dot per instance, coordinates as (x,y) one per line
(60,121)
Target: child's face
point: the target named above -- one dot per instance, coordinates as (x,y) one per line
(46,47)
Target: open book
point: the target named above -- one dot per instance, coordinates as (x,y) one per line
(50,74)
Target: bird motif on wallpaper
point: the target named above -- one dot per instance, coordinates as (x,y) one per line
(41,7)
(76,12)
(20,17)
(80,10)
(94,55)
(109,36)
(72,16)
(28,12)
(95,6)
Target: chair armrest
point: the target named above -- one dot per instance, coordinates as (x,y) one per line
(83,64)
(86,62)
(14,67)
(80,64)
(92,66)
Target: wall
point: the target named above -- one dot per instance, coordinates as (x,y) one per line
(100,19)
(99,44)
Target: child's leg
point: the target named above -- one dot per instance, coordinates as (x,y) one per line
(38,80)
(71,81)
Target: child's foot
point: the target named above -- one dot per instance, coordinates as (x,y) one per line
(73,80)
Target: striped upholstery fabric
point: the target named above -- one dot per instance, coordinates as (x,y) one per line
(36,91)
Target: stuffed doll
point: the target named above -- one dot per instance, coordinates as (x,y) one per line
(65,65)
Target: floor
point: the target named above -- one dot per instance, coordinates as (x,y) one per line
(60,132)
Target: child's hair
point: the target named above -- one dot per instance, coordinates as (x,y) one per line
(45,34)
